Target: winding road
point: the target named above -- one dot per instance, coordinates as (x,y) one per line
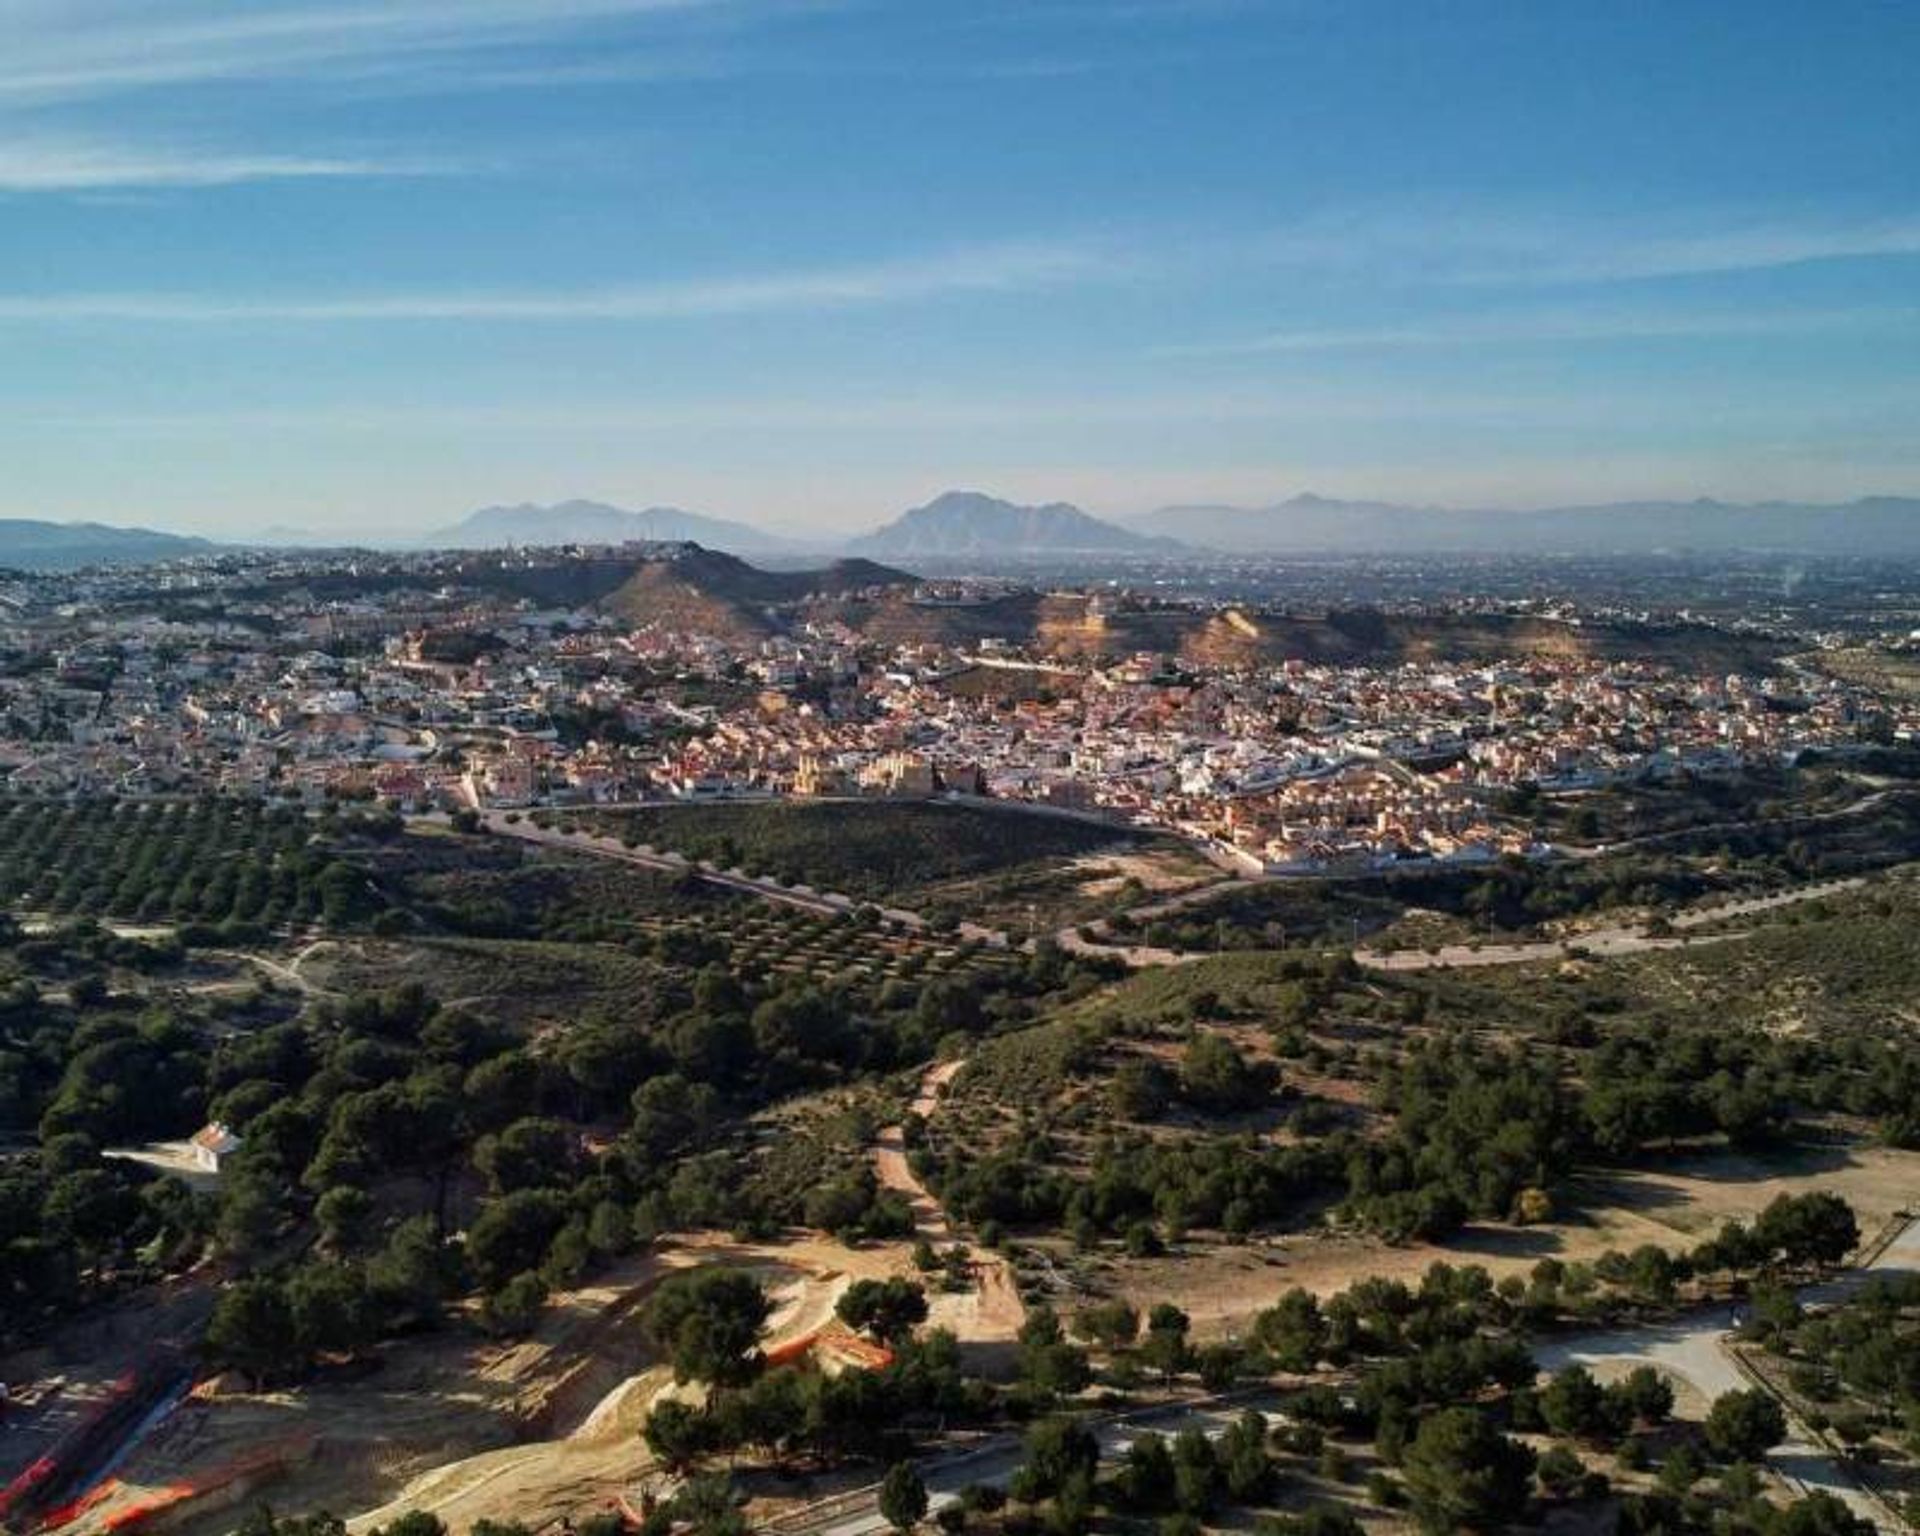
(1692,1348)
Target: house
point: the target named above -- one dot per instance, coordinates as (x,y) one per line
(212,1145)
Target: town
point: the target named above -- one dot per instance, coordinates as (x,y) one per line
(440,682)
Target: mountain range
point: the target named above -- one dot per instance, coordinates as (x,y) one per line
(595,522)
(30,545)
(1308,524)
(973,526)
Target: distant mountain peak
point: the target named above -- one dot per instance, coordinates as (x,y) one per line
(974,523)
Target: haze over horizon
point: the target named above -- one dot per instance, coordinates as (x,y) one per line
(361,268)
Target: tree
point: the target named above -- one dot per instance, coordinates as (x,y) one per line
(1048,1363)
(331,1310)
(531,1153)
(1462,1472)
(1214,1075)
(1145,1481)
(263,1522)
(343,1213)
(414,1273)
(1058,1449)
(1574,1404)
(415,1522)
(1560,1471)
(1196,1472)
(679,1435)
(1811,1229)
(1111,1324)
(1745,1425)
(513,1310)
(1140,1090)
(252,1330)
(888,1310)
(1292,1331)
(709,1321)
(1646,1394)
(1165,1349)
(1818,1514)
(511,1235)
(903,1497)
(1245,1467)
(772,1413)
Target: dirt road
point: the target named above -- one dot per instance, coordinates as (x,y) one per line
(826,903)
(990,1315)
(1608,942)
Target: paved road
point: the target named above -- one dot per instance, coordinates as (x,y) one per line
(1693,1348)
(1688,1347)
(994,1461)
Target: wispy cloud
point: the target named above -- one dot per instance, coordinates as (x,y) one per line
(995,269)
(1543,328)
(75,49)
(78,165)
(1495,246)
(1739,246)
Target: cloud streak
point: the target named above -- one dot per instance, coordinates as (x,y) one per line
(987,270)
(1515,247)
(1547,328)
(65,165)
(77,49)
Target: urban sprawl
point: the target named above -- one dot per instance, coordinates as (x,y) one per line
(285,677)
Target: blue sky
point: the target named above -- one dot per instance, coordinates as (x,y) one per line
(356,266)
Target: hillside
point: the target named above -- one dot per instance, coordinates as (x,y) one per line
(1882,525)
(703,590)
(1071,625)
(968,523)
(594,522)
(30,545)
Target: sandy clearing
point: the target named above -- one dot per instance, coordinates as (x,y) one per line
(1221,1286)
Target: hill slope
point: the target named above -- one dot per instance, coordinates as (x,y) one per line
(708,592)
(595,522)
(968,523)
(29,545)
(1070,626)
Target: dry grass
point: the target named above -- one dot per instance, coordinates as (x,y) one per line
(1221,1286)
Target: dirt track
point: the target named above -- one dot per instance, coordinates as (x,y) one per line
(534,1431)
(990,1314)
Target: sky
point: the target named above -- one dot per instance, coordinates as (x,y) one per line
(355,267)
